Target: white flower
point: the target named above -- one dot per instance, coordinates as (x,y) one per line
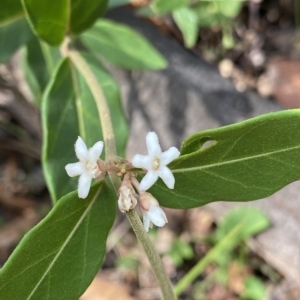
(155,162)
(87,167)
(152,213)
(155,215)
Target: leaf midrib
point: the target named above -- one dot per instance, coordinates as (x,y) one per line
(199,168)
(66,242)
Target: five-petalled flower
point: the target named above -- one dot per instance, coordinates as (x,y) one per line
(152,213)
(87,167)
(156,163)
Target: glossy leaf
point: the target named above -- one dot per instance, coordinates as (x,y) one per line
(21,33)
(111,40)
(165,6)
(39,61)
(69,111)
(10,10)
(187,21)
(84,13)
(248,161)
(60,256)
(48,19)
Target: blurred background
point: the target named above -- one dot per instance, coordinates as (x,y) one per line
(228,61)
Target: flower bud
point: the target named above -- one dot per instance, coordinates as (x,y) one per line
(127,199)
(152,213)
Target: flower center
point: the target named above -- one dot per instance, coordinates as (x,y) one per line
(156,163)
(91,167)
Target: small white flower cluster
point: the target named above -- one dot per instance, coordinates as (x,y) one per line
(155,163)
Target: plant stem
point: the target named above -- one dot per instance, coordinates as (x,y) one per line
(222,246)
(103,109)
(110,154)
(155,261)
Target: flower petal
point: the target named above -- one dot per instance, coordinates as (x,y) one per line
(75,169)
(169,155)
(95,152)
(148,180)
(142,161)
(157,216)
(84,185)
(81,149)
(167,176)
(153,146)
(146,222)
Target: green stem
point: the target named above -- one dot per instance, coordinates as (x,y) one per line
(103,109)
(110,154)
(155,261)
(207,259)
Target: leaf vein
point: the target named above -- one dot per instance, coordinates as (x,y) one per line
(219,164)
(66,242)
(237,140)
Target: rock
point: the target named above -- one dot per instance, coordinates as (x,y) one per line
(189,96)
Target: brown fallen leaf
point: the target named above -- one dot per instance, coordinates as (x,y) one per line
(101,289)
(282,80)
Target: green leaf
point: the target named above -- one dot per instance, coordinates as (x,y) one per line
(227,38)
(235,226)
(251,221)
(84,13)
(21,33)
(110,40)
(10,10)
(60,256)
(187,21)
(254,289)
(231,8)
(69,111)
(180,251)
(165,6)
(49,20)
(208,14)
(39,61)
(248,161)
